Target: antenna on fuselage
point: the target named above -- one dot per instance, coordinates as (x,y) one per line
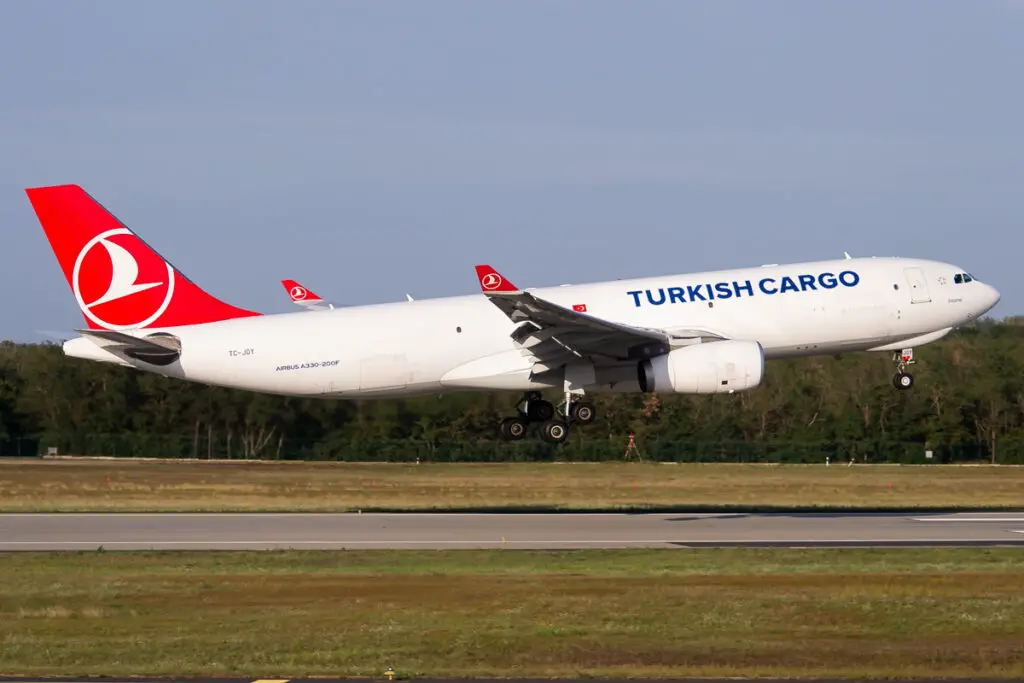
(847,255)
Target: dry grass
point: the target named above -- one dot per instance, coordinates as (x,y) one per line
(730,612)
(119,485)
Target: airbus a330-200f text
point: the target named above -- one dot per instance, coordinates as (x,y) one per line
(695,333)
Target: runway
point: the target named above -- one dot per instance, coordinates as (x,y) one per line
(247,531)
(363,679)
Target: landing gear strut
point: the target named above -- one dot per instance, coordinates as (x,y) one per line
(576,412)
(554,425)
(903,380)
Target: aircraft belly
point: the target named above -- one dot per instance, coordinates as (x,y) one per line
(508,369)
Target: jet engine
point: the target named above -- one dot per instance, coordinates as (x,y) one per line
(709,368)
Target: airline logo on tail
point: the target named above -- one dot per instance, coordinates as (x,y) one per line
(117,265)
(119,281)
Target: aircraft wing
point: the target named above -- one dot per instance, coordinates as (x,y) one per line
(157,349)
(305,297)
(554,334)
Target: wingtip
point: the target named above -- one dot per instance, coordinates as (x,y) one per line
(492,281)
(57,335)
(298,292)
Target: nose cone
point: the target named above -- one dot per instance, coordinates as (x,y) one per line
(989,297)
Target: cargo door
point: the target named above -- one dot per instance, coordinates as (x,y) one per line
(918,286)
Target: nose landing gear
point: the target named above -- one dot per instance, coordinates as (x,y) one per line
(903,380)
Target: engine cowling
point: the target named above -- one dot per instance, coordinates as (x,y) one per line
(709,368)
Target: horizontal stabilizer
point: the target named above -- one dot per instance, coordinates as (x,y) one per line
(155,349)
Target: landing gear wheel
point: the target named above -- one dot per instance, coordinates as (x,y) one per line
(582,413)
(554,431)
(513,429)
(902,380)
(539,411)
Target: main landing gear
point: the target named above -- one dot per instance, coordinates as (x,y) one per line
(903,380)
(554,428)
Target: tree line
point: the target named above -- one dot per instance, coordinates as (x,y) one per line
(967,405)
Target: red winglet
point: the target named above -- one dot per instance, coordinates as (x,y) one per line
(492,281)
(299,293)
(119,281)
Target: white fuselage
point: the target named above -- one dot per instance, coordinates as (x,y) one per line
(460,343)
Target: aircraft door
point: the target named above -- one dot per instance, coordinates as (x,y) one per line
(918,286)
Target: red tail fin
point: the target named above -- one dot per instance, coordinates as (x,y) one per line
(120,282)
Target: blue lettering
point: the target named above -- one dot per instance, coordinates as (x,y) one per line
(853,278)
(695,293)
(827,280)
(636,297)
(723,289)
(740,287)
(788,285)
(675,295)
(659,301)
(762,287)
(711,292)
(807,282)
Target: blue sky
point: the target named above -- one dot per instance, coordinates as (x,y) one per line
(369,149)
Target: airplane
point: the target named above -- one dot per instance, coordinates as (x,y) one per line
(305,297)
(691,333)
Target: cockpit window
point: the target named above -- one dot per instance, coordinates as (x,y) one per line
(961,278)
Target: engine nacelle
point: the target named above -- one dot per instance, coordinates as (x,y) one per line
(709,368)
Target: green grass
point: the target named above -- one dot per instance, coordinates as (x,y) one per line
(639,613)
(119,485)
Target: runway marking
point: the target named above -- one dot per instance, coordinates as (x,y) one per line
(505,542)
(419,542)
(358,513)
(988,520)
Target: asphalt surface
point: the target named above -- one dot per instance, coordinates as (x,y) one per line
(4,679)
(244,531)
